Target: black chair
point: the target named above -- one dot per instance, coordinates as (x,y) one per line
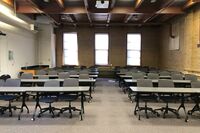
(146,97)
(168,97)
(195,98)
(10,97)
(70,97)
(49,98)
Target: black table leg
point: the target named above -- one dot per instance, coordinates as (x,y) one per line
(23,105)
(183,106)
(37,105)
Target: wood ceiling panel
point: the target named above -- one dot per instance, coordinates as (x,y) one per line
(119,11)
(99,17)
(82,18)
(117,17)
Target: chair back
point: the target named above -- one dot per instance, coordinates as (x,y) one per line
(195,84)
(52,72)
(13,83)
(71,82)
(52,83)
(144,83)
(41,72)
(128,73)
(152,76)
(63,75)
(138,76)
(26,76)
(165,83)
(190,77)
(84,71)
(2,82)
(164,73)
(177,76)
(73,72)
(84,76)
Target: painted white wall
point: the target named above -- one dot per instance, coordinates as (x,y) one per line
(22,43)
(46,45)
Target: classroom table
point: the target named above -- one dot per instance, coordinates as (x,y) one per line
(173,90)
(24,90)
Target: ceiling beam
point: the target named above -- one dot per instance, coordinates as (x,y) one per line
(9,2)
(190,3)
(60,3)
(86,8)
(114,24)
(138,3)
(35,7)
(127,18)
(81,10)
(111,7)
(171,10)
(164,7)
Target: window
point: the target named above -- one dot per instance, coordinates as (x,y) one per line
(133,49)
(101,49)
(70,49)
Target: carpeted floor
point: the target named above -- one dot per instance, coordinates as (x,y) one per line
(109,112)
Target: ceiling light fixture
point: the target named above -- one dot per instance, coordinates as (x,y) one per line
(102,4)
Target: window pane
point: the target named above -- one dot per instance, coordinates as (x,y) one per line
(70,48)
(101,49)
(133,49)
(133,61)
(101,41)
(133,54)
(134,41)
(101,57)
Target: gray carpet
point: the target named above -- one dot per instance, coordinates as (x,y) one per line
(109,112)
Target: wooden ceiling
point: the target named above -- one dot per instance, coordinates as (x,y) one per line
(119,12)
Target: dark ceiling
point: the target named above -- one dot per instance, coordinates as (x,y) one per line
(119,12)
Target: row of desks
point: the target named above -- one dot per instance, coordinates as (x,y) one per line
(173,90)
(37,90)
(56,76)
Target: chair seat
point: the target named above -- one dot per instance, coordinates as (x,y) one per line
(8,97)
(48,99)
(68,97)
(148,98)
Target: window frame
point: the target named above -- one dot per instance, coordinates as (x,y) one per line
(133,50)
(104,49)
(63,55)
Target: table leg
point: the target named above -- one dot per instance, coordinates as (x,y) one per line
(82,105)
(183,106)
(37,105)
(23,105)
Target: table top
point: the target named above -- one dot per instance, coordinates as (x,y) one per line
(165,90)
(156,81)
(71,76)
(44,89)
(61,80)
